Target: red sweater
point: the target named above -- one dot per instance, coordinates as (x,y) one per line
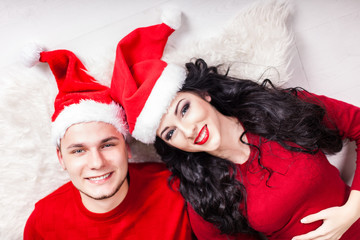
(301,184)
(150,210)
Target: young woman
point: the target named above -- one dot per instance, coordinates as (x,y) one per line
(250,155)
(247,156)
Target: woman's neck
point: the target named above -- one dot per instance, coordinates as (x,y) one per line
(231,148)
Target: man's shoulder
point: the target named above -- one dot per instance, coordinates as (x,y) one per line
(149,169)
(58,196)
(150,181)
(152,173)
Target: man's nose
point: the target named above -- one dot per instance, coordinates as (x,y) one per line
(96,160)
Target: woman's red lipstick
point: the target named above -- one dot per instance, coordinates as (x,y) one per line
(203,136)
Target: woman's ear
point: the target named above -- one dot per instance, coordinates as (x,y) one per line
(207,97)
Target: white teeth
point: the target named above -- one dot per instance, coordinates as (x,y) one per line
(202,135)
(100,178)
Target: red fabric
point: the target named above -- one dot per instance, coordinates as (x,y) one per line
(204,230)
(73,82)
(301,184)
(150,211)
(347,119)
(137,67)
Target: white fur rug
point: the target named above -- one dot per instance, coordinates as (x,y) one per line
(258,44)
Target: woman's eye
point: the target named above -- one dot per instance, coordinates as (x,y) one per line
(169,134)
(184,109)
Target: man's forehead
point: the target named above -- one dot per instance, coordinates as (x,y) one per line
(91,125)
(86,131)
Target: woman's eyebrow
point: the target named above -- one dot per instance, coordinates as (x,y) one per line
(163,131)
(177,106)
(176,110)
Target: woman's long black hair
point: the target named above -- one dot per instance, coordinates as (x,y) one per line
(209,183)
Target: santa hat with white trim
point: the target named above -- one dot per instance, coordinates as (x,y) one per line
(80,98)
(143,83)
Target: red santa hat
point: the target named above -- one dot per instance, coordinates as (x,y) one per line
(143,83)
(80,98)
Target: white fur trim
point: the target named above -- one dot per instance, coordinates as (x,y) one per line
(172,18)
(88,111)
(164,91)
(31,54)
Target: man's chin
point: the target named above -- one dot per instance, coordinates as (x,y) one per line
(102,196)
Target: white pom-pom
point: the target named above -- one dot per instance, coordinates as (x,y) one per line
(172,18)
(31,54)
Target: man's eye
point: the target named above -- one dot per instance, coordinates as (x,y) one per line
(169,134)
(184,109)
(108,145)
(77,151)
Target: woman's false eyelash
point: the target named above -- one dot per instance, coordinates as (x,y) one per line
(184,109)
(169,134)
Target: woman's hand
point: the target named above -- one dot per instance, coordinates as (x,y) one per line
(336,220)
(335,223)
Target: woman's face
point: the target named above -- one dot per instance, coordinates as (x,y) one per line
(191,124)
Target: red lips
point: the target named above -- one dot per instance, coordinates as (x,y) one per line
(203,136)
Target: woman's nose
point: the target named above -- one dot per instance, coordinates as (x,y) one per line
(189,131)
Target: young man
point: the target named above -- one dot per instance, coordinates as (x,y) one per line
(107,198)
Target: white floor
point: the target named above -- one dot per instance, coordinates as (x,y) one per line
(327,37)
(327,32)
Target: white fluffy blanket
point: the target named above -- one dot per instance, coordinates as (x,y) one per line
(257,43)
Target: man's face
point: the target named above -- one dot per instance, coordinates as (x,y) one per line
(96,158)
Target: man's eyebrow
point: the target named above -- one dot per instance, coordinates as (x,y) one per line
(75,145)
(177,106)
(109,139)
(79,145)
